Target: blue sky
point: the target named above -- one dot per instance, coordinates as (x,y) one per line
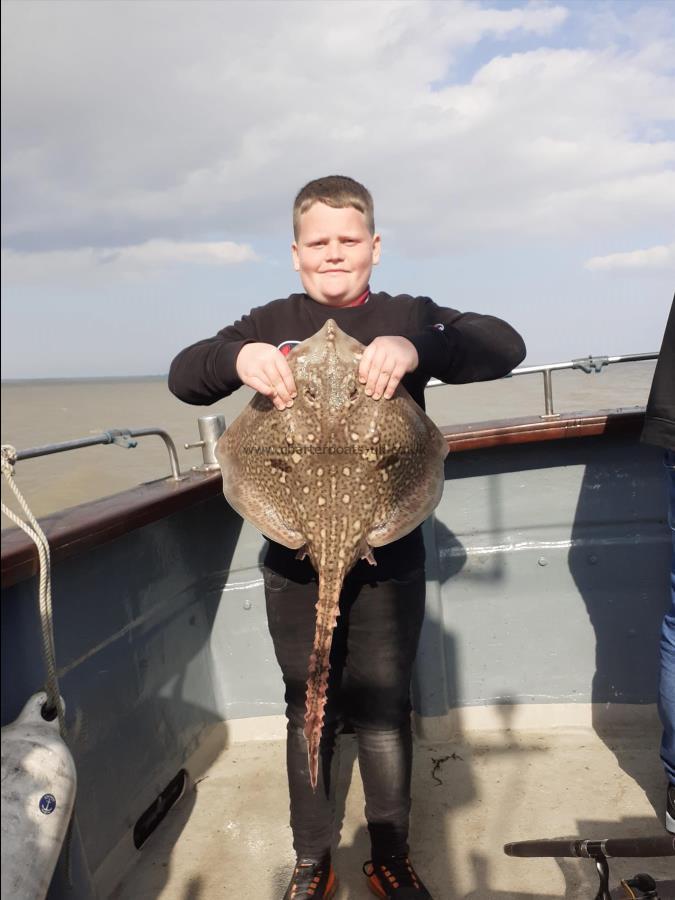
(521,156)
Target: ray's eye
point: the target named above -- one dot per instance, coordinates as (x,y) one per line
(353,390)
(310,393)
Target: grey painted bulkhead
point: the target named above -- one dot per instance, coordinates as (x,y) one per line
(547,571)
(551,576)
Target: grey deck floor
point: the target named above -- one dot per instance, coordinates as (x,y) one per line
(229,836)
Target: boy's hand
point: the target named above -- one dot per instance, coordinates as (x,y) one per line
(264,368)
(384,362)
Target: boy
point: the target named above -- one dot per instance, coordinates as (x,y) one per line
(407,340)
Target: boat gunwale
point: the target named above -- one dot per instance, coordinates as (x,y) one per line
(81,528)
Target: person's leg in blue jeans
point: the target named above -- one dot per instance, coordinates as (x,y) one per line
(667,680)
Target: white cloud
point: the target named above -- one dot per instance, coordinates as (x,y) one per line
(161,253)
(111,263)
(654,258)
(203,118)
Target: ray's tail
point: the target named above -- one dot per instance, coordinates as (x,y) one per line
(327,611)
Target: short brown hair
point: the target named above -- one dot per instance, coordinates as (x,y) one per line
(337,191)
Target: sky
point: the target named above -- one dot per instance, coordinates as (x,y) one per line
(521,157)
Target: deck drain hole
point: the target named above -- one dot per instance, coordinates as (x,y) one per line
(155,813)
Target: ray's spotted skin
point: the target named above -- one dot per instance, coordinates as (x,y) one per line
(333,476)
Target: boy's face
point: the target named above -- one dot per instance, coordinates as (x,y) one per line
(334,254)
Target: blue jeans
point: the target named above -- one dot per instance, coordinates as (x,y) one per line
(667,681)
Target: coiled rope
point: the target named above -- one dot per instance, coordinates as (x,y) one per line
(37,535)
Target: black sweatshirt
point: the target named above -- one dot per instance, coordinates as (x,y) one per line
(659,427)
(455,347)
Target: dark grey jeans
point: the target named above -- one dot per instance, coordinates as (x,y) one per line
(372,655)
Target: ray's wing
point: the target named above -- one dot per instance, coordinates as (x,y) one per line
(250,454)
(408,478)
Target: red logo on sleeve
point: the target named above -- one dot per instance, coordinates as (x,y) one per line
(287,346)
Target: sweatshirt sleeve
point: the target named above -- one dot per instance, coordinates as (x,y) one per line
(206,371)
(461,347)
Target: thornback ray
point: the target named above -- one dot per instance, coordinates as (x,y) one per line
(333,476)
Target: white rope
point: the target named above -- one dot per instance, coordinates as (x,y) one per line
(37,535)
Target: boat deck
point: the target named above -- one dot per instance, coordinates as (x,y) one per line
(229,835)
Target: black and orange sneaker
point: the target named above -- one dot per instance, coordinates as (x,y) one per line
(395,879)
(312,880)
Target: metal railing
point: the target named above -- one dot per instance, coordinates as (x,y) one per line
(587,364)
(122,437)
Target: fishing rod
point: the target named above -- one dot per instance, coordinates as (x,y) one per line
(640,886)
